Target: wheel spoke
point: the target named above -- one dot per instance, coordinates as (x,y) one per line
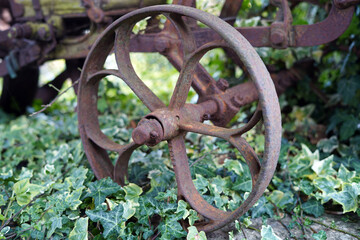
(121,165)
(256,117)
(230,135)
(185,184)
(210,130)
(188,46)
(191,64)
(122,39)
(92,127)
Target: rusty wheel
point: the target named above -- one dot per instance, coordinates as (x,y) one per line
(172,122)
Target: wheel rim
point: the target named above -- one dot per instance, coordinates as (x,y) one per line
(96,143)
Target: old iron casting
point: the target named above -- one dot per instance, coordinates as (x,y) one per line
(39,31)
(171,123)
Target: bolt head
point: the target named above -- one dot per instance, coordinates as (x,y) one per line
(222,84)
(277,37)
(237,101)
(154,135)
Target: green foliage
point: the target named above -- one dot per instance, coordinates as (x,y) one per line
(48,190)
(321,235)
(313,207)
(80,231)
(101,189)
(112,221)
(267,233)
(195,235)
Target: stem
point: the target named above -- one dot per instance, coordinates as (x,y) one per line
(243,232)
(6,211)
(54,100)
(287,229)
(334,228)
(29,228)
(253,228)
(18,212)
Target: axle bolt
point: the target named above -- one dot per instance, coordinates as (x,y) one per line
(148,132)
(277,37)
(222,84)
(154,135)
(237,101)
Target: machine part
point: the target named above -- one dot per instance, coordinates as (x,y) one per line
(94,13)
(171,123)
(280,35)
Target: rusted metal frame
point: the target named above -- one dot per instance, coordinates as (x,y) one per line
(17,10)
(240,95)
(230,10)
(188,46)
(21,57)
(128,74)
(87,93)
(169,44)
(302,35)
(179,159)
(281,35)
(37,8)
(93,12)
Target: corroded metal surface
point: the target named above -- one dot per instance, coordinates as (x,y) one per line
(171,123)
(42,30)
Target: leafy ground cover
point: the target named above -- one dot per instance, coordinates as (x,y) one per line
(48,190)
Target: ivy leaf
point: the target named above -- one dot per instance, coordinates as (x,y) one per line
(80,230)
(321,235)
(26,191)
(344,174)
(306,186)
(234,165)
(129,209)
(347,88)
(77,177)
(56,222)
(171,228)
(262,207)
(313,207)
(181,210)
(300,165)
(102,188)
(267,233)
(348,196)
(327,185)
(201,183)
(247,222)
(194,234)
(73,200)
(2,201)
(348,127)
(324,167)
(281,199)
(328,145)
(132,191)
(242,184)
(193,216)
(111,221)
